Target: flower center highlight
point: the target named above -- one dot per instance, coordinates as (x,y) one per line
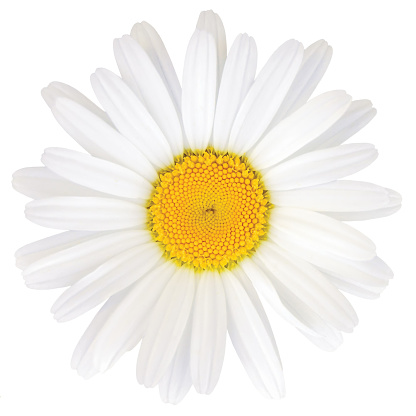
(208,210)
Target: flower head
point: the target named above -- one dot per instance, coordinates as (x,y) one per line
(190,200)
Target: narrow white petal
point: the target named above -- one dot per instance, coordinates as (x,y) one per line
(310,286)
(199,88)
(32,252)
(320,166)
(57,90)
(362,291)
(251,334)
(86,213)
(266,286)
(166,325)
(131,117)
(394,201)
(40,182)
(301,315)
(360,113)
(177,380)
(321,232)
(66,266)
(338,196)
(150,41)
(120,323)
(110,277)
(370,273)
(99,138)
(327,343)
(97,174)
(265,96)
(300,128)
(139,72)
(209,329)
(237,78)
(314,64)
(210,22)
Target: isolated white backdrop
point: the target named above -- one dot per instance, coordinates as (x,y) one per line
(373,372)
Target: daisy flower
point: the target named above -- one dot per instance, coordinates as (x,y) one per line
(191,201)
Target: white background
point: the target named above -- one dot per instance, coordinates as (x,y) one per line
(373,372)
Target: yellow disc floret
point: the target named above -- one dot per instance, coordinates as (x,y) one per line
(208,210)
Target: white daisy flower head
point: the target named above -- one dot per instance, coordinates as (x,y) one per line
(191,201)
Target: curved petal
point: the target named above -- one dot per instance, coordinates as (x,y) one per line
(120,323)
(100,139)
(66,266)
(321,232)
(96,174)
(209,329)
(394,201)
(177,380)
(32,252)
(320,166)
(358,115)
(251,334)
(339,196)
(299,129)
(139,72)
(314,65)
(310,286)
(86,213)
(166,325)
(40,182)
(150,41)
(199,89)
(109,278)
(237,78)
(265,97)
(131,117)
(57,90)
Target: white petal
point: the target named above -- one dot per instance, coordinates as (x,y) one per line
(392,205)
(300,128)
(366,292)
(209,329)
(177,380)
(265,96)
(210,22)
(57,90)
(237,78)
(327,343)
(266,286)
(131,117)
(150,41)
(306,320)
(166,326)
(97,174)
(371,272)
(120,323)
(199,88)
(68,265)
(314,64)
(110,277)
(32,252)
(86,213)
(100,139)
(40,182)
(251,334)
(360,113)
(310,286)
(139,72)
(321,232)
(320,166)
(338,196)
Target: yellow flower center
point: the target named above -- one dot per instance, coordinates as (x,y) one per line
(208,210)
